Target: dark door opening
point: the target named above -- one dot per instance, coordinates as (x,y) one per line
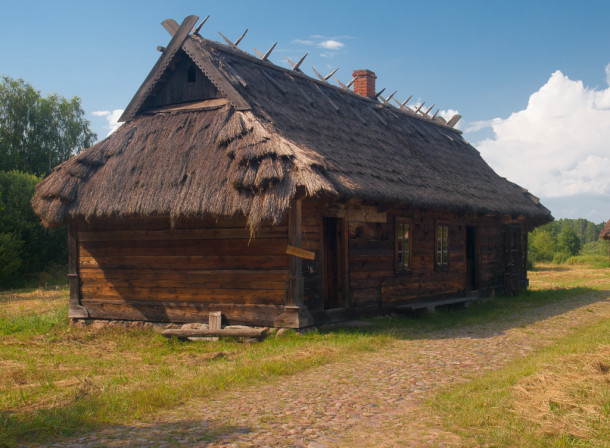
(335,293)
(471,256)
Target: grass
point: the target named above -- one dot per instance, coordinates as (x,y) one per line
(558,396)
(57,379)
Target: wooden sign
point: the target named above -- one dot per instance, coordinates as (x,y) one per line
(301,253)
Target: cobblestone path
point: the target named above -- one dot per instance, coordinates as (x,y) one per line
(370,400)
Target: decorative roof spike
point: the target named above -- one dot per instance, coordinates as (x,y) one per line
(420,106)
(386,100)
(327,77)
(265,56)
(233,44)
(391,96)
(198,28)
(324,78)
(454,120)
(401,106)
(435,114)
(379,93)
(428,111)
(295,67)
(161,49)
(318,74)
(236,43)
(349,84)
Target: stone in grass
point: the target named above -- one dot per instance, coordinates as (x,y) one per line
(203,339)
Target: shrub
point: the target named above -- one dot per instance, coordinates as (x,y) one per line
(560,257)
(26,248)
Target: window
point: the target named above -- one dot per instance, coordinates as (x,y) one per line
(442,245)
(403,244)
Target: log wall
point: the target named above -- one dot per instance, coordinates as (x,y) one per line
(153,272)
(374,282)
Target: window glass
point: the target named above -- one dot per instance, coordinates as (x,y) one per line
(442,245)
(403,244)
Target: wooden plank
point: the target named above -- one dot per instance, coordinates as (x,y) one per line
(189,283)
(301,253)
(189,262)
(175,311)
(183,234)
(163,248)
(226,275)
(258,333)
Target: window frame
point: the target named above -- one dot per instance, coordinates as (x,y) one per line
(401,269)
(444,242)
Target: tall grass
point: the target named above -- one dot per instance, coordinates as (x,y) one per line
(558,396)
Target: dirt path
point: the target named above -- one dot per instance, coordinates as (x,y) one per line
(372,400)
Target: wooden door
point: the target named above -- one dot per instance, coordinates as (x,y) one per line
(335,291)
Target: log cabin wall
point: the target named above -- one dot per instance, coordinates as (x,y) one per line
(374,281)
(145,270)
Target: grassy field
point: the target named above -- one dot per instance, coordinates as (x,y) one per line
(559,396)
(57,380)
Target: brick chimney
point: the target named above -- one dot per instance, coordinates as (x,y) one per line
(365,83)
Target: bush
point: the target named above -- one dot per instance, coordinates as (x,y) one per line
(560,257)
(10,257)
(26,248)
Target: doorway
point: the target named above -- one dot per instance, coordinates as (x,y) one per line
(335,291)
(471,256)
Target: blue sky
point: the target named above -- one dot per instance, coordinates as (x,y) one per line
(530,78)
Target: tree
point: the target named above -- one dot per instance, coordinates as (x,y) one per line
(37,133)
(542,244)
(568,241)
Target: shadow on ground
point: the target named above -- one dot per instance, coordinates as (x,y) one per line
(481,319)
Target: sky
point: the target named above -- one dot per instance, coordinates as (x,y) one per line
(531,79)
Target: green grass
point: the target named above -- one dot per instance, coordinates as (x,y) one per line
(494,411)
(59,380)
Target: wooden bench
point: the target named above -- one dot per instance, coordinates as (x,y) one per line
(430,305)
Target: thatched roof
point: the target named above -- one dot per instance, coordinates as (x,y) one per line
(605,233)
(275,131)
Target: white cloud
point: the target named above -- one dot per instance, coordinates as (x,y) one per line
(559,145)
(331,44)
(303,42)
(112,117)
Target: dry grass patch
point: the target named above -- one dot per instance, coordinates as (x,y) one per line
(570,396)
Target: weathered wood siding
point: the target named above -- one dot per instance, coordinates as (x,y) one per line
(180,87)
(149,271)
(373,279)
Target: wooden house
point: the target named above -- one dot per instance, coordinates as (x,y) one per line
(605,233)
(238,186)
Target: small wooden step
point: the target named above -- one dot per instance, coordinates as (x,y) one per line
(244,332)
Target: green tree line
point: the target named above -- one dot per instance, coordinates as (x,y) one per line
(565,239)
(36,133)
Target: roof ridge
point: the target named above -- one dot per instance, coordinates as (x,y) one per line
(267,63)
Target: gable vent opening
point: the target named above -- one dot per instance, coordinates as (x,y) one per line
(191,74)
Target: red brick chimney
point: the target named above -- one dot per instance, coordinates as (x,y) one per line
(365,83)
